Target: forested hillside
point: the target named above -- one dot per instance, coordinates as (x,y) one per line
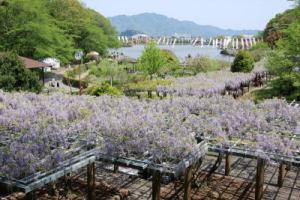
(283,35)
(53,28)
(275,28)
(160,25)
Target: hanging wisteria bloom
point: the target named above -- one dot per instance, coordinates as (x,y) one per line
(37,132)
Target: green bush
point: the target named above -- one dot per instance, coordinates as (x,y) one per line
(74,82)
(259,51)
(15,77)
(135,78)
(283,86)
(103,89)
(148,85)
(169,56)
(205,64)
(243,62)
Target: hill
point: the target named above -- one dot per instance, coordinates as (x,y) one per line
(158,25)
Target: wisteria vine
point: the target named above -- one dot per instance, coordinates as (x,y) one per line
(38,131)
(211,83)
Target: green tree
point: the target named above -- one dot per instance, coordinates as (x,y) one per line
(110,69)
(274,29)
(15,77)
(243,62)
(56,28)
(88,29)
(152,60)
(27,29)
(284,62)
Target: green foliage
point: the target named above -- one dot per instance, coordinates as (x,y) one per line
(107,68)
(205,64)
(42,28)
(135,78)
(284,61)
(148,85)
(259,51)
(274,29)
(75,82)
(169,56)
(103,89)
(243,62)
(152,60)
(15,77)
(285,86)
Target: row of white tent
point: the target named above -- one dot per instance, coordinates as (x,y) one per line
(224,43)
(228,42)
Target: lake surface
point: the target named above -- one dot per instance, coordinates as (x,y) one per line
(181,51)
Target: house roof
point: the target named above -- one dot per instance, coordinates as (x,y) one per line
(32,64)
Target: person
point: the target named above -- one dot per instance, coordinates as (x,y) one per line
(57,84)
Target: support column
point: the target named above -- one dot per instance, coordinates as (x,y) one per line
(227,164)
(31,196)
(260,171)
(281,172)
(188,183)
(91,181)
(156,179)
(116,168)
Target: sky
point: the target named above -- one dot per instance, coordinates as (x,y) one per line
(235,14)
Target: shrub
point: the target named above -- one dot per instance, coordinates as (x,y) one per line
(74,82)
(169,56)
(243,62)
(15,77)
(148,85)
(259,51)
(135,78)
(103,89)
(204,64)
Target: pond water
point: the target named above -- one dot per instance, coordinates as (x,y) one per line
(181,51)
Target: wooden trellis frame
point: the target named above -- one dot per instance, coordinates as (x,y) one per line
(38,180)
(261,164)
(88,159)
(157,171)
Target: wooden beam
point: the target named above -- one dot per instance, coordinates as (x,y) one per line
(260,171)
(281,172)
(156,179)
(187,183)
(227,164)
(91,181)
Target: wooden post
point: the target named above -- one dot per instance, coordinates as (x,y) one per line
(43,74)
(187,183)
(227,164)
(116,168)
(91,181)
(156,179)
(260,171)
(281,172)
(31,196)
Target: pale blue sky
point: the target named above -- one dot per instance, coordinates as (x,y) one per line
(236,14)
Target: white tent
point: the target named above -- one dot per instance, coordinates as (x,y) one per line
(55,63)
